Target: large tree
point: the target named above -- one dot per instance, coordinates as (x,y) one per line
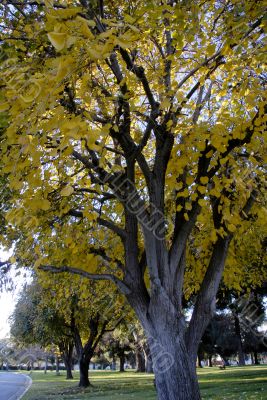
(136,138)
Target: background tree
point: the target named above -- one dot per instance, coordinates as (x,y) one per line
(34,322)
(140,129)
(118,345)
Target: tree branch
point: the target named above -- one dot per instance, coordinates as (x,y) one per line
(96,277)
(140,74)
(101,221)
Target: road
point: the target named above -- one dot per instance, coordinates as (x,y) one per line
(13,386)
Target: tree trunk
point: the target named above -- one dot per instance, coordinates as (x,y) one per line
(174,365)
(68,365)
(45,368)
(149,365)
(57,366)
(84,374)
(210,361)
(256,358)
(200,357)
(241,355)
(225,361)
(175,376)
(85,352)
(66,349)
(113,365)
(122,361)
(140,360)
(148,359)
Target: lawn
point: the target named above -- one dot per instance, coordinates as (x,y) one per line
(244,383)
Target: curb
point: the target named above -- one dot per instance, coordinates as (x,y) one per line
(28,384)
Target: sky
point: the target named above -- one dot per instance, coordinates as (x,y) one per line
(8,299)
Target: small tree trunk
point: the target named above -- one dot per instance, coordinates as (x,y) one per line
(57,366)
(113,365)
(84,372)
(66,350)
(226,361)
(200,357)
(148,359)
(45,368)
(256,358)
(68,366)
(140,360)
(122,361)
(210,361)
(241,355)
(149,365)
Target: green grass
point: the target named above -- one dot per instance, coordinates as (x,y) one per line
(244,383)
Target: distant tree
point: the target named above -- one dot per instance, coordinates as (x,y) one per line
(33,322)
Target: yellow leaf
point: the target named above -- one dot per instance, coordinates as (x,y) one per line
(37,263)
(165,103)
(4,107)
(204,180)
(202,202)
(85,28)
(90,215)
(91,23)
(213,236)
(128,18)
(94,54)
(188,206)
(58,40)
(67,191)
(186,217)
(209,154)
(45,204)
(231,227)
(201,189)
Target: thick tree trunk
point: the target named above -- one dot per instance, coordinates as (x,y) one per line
(174,366)
(241,355)
(175,376)
(84,372)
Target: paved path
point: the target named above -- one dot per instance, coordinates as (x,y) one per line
(13,386)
